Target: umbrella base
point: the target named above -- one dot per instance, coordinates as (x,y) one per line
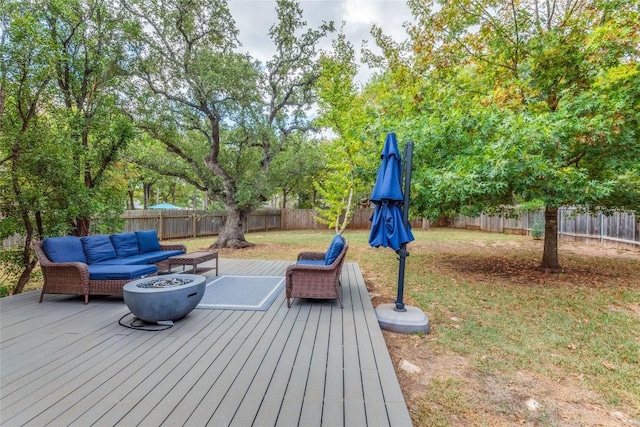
(408,322)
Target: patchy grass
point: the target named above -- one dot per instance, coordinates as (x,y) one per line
(508,344)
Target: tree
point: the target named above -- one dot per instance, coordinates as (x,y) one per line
(61,128)
(244,113)
(347,154)
(24,85)
(92,56)
(526,101)
(294,170)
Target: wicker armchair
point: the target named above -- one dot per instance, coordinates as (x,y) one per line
(73,277)
(315,280)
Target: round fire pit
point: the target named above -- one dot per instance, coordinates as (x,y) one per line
(164,298)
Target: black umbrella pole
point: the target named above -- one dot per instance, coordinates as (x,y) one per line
(408,160)
(402,252)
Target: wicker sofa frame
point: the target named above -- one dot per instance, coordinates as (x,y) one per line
(73,277)
(315,281)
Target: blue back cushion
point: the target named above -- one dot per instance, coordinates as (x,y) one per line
(334,249)
(98,248)
(126,244)
(64,249)
(148,241)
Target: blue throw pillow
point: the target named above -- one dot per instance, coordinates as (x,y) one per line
(64,249)
(334,249)
(148,241)
(98,248)
(126,244)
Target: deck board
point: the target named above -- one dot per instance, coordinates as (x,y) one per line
(66,363)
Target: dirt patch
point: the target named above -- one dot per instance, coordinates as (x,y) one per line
(469,397)
(524,399)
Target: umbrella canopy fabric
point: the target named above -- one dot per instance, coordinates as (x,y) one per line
(164,206)
(387,226)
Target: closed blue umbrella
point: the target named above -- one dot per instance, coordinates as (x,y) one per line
(387,226)
(390,228)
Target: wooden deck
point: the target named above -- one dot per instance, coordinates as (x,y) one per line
(66,363)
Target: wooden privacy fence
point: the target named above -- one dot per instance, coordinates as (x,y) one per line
(305,219)
(619,230)
(176,224)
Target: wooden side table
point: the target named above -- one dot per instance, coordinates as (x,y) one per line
(193,259)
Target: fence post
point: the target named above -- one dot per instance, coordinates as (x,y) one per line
(601,229)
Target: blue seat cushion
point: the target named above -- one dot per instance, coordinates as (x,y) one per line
(98,248)
(310,262)
(125,244)
(148,241)
(162,255)
(334,249)
(64,249)
(120,272)
(141,259)
(132,260)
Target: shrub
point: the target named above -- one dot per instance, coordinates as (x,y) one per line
(537,230)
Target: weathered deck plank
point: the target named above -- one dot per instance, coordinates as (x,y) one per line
(66,363)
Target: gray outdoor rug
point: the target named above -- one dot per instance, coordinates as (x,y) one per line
(241,292)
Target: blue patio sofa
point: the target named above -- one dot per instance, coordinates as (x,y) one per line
(99,264)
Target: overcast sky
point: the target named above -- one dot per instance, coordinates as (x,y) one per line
(254,17)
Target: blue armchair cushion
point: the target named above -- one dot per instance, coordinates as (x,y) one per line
(334,249)
(310,262)
(148,241)
(120,272)
(98,248)
(64,249)
(125,244)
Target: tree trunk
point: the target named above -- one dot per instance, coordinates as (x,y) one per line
(146,190)
(232,233)
(28,260)
(130,203)
(80,226)
(26,274)
(550,262)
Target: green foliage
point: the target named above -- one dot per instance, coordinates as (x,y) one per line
(206,101)
(11,265)
(537,229)
(521,101)
(346,156)
(293,171)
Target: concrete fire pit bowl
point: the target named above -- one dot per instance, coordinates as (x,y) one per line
(164,298)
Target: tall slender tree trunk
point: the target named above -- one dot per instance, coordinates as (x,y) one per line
(29,264)
(550,254)
(28,260)
(130,204)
